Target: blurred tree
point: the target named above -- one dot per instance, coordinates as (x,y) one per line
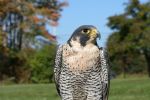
(42,63)
(129,43)
(21,16)
(20,22)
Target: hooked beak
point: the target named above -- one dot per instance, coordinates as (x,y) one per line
(95,33)
(98,35)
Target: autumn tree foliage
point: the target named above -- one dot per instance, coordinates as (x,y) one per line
(20,17)
(20,22)
(128,45)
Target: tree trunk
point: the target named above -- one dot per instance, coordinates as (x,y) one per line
(20,39)
(124,71)
(147,57)
(124,60)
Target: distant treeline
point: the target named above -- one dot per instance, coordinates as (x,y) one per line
(129,44)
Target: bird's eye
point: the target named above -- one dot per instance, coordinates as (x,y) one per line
(85,31)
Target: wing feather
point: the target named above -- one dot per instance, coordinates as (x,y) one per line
(57,68)
(104,73)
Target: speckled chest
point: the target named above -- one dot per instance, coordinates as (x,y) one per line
(80,59)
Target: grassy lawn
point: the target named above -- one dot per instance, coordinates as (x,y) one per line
(121,89)
(130,89)
(28,92)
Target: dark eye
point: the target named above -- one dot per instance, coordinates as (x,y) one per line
(85,31)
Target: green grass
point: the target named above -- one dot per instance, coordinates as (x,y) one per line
(130,89)
(28,92)
(121,89)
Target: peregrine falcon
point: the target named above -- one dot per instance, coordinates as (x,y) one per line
(81,68)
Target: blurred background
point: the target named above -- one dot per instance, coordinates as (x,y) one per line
(31,30)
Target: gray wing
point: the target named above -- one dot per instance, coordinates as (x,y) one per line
(57,68)
(104,73)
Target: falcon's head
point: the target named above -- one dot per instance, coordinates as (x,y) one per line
(84,35)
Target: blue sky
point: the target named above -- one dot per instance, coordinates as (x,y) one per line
(88,12)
